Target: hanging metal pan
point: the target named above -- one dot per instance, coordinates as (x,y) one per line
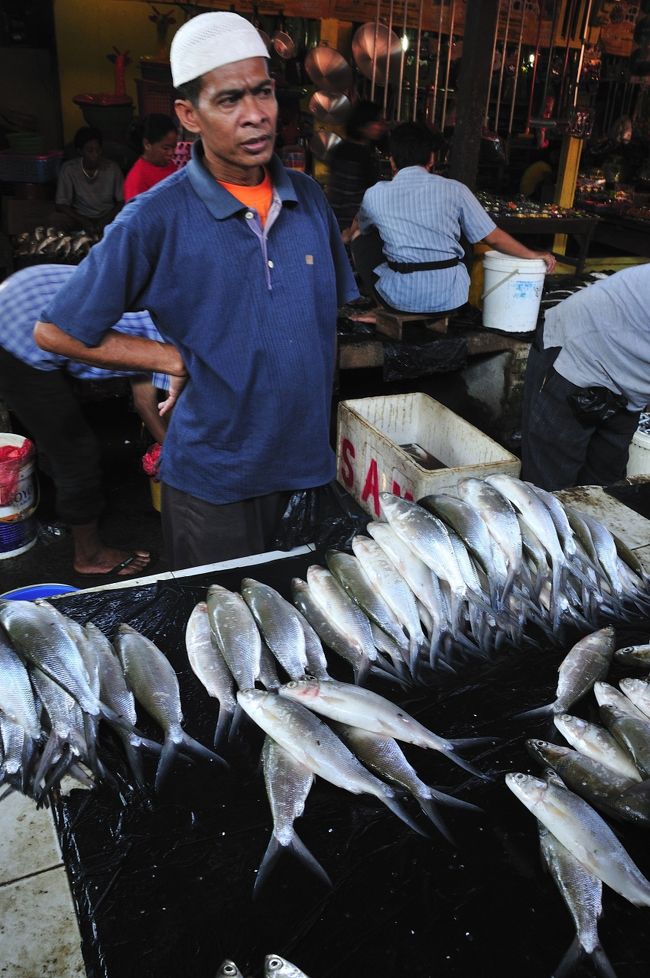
(366,49)
(328,69)
(256,24)
(330,108)
(283,43)
(322,143)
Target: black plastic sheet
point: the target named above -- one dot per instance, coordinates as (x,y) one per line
(326,516)
(163,885)
(406,360)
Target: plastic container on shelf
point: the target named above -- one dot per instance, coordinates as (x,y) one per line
(512,292)
(17,523)
(639,458)
(29,167)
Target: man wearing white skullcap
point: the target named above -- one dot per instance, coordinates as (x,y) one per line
(241,265)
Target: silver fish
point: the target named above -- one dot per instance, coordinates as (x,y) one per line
(353,578)
(288,783)
(638,691)
(501,521)
(153,681)
(597,743)
(344,616)
(314,745)
(277,967)
(634,655)
(360,707)
(582,894)
(278,623)
(584,665)
(236,634)
(607,695)
(228,969)
(584,833)
(209,666)
(633,733)
(16,696)
(333,635)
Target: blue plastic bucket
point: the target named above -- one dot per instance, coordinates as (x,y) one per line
(34,591)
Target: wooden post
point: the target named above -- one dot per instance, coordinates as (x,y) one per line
(480,26)
(565,187)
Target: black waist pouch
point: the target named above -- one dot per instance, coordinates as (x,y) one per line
(592,405)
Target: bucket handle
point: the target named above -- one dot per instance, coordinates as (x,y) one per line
(500,283)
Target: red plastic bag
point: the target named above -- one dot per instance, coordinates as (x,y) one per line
(151,460)
(12,460)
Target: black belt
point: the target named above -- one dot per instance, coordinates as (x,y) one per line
(426,266)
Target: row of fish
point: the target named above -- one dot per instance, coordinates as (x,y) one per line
(274,967)
(237,640)
(60,679)
(607,767)
(54,243)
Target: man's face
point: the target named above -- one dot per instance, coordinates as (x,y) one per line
(92,152)
(236,118)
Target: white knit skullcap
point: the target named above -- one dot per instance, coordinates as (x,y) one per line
(211,40)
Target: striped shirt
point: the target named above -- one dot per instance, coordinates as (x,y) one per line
(420,218)
(24,296)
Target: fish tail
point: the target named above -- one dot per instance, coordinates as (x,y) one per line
(47,757)
(135,761)
(195,747)
(235,722)
(602,964)
(90,736)
(540,711)
(269,860)
(444,799)
(471,741)
(222,728)
(391,802)
(507,587)
(430,810)
(568,963)
(299,849)
(414,654)
(167,756)
(466,766)
(361,671)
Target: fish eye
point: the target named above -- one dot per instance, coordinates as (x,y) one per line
(275,963)
(229,970)
(538,743)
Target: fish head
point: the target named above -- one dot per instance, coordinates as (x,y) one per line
(544,752)
(228,970)
(253,701)
(317,573)
(277,967)
(605,693)
(529,790)
(300,690)
(564,721)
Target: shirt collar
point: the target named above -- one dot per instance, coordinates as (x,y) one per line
(406,170)
(219,202)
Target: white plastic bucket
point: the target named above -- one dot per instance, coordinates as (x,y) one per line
(512,292)
(17,523)
(638,462)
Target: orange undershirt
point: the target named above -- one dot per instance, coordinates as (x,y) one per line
(256,198)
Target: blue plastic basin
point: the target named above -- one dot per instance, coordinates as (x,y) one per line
(33,591)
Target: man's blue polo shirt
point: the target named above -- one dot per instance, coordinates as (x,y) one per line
(252,313)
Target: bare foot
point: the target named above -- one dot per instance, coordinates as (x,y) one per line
(370,316)
(109,559)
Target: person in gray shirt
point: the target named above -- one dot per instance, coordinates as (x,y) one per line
(90,188)
(587,380)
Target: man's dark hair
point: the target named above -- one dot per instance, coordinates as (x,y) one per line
(156,126)
(86,135)
(361,114)
(189,91)
(411,144)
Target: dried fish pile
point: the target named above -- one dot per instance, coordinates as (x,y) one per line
(52,243)
(60,680)
(606,770)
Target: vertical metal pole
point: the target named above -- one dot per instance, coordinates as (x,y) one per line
(418,46)
(374,54)
(503,64)
(494,51)
(567,50)
(517,68)
(452,16)
(581,59)
(388,58)
(531,94)
(556,10)
(401,65)
(437,76)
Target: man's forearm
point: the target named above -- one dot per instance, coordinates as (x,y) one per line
(115,351)
(507,245)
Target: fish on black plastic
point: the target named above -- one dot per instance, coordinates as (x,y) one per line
(228,969)
(155,686)
(277,967)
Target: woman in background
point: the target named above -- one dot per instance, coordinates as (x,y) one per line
(159,135)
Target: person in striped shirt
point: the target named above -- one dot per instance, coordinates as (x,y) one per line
(407,240)
(35,386)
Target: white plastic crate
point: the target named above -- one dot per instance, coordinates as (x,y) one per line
(370,459)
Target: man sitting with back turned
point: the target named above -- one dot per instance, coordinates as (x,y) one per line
(241,265)
(408,253)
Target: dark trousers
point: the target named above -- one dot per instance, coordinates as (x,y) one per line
(558,450)
(197,532)
(68,451)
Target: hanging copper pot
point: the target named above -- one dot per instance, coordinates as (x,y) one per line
(283,44)
(330,108)
(322,143)
(374,42)
(328,69)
